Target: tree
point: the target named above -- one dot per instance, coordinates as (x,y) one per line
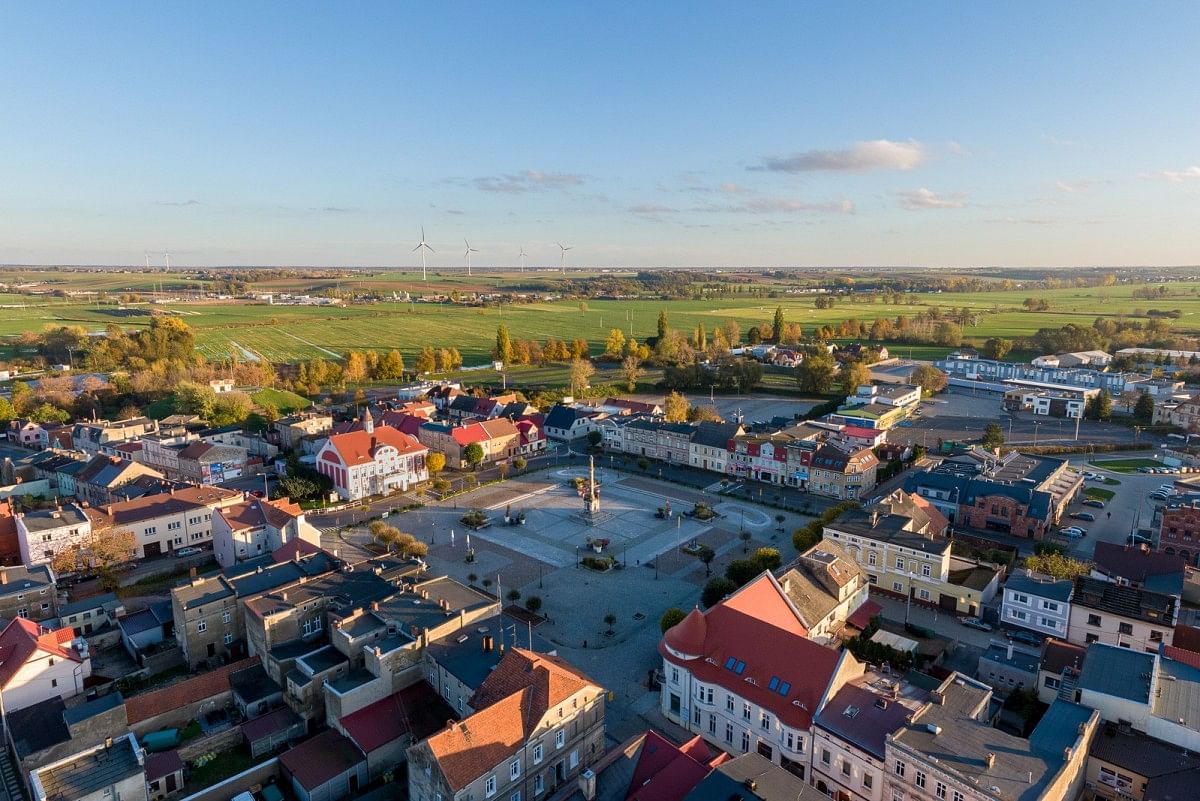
(610,620)
(193,398)
(514,596)
(670,618)
(356,367)
(391,367)
(435,462)
(533,604)
(777,326)
(997,348)
(7,412)
(1057,565)
(706,554)
(520,463)
(741,571)
(767,558)
(581,371)
(929,378)
(993,436)
(579,349)
(1100,407)
(700,337)
(594,438)
(231,408)
(614,346)
(663,327)
(473,454)
(675,408)
(816,373)
(715,590)
(299,488)
(503,349)
(1143,410)
(631,371)
(854,375)
(427,361)
(49,413)
(704,414)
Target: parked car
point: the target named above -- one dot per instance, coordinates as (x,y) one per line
(1138,539)
(1094,502)
(1074,532)
(976,623)
(1088,516)
(1145,469)
(1159,496)
(189,551)
(1026,637)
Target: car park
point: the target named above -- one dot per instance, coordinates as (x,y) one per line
(976,623)
(1088,516)
(1094,502)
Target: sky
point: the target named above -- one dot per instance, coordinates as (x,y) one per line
(724,135)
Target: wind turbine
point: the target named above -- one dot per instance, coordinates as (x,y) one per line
(524,256)
(470,250)
(424,246)
(562,257)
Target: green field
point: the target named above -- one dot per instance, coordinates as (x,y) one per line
(1127,465)
(290,333)
(285,402)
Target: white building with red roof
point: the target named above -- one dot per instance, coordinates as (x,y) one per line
(256,527)
(372,461)
(37,663)
(745,676)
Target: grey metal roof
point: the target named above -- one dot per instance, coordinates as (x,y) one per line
(69,515)
(20,579)
(38,727)
(771,782)
(253,684)
(1059,590)
(1178,693)
(87,604)
(1141,754)
(90,771)
(1116,671)
(92,708)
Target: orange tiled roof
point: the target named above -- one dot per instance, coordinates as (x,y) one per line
(358,447)
(156,702)
(22,638)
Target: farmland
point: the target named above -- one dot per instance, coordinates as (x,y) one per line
(289,333)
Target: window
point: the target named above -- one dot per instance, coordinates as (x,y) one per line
(696,715)
(574,761)
(924,594)
(1155,636)
(173,526)
(897,795)
(229,639)
(151,530)
(729,702)
(560,738)
(745,710)
(729,733)
(1020,598)
(1093,620)
(712,724)
(897,586)
(826,757)
(846,767)
(920,778)
(939,790)
(1050,606)
(899,769)
(53,682)
(1091,638)
(925,570)
(539,785)
(489,786)
(224,617)
(958,796)
(789,740)
(899,562)
(1125,628)
(202,626)
(745,741)
(871,558)
(674,675)
(515,796)
(867,780)
(765,721)
(514,769)
(537,753)
(1051,683)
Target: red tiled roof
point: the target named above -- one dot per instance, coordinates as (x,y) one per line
(22,638)
(1190,658)
(938,522)
(1059,654)
(256,512)
(861,616)
(358,447)
(666,772)
(206,685)
(291,550)
(406,712)
(1186,637)
(473,432)
(1134,564)
(326,756)
(687,636)
(758,627)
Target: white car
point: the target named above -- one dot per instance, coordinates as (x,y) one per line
(189,551)
(1074,532)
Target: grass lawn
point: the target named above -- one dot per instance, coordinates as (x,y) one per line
(164,407)
(226,764)
(1099,494)
(286,402)
(1126,465)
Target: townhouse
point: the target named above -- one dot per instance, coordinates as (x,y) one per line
(103,436)
(949,750)
(29,592)
(372,461)
(295,428)
(208,464)
(745,676)
(467,408)
(842,473)
(44,534)
(1059,669)
(166,521)
(538,724)
(103,478)
(254,528)
(1038,603)
(1179,532)
(827,588)
(902,545)
(567,423)
(38,663)
(1113,614)
(711,444)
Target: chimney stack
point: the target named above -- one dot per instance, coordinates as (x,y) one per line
(990,759)
(192,572)
(374,606)
(3,576)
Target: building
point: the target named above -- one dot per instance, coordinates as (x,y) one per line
(324,768)
(296,427)
(1179,533)
(711,445)
(1124,764)
(1006,667)
(1038,603)
(37,663)
(207,464)
(111,771)
(1139,567)
(25,433)
(538,724)
(255,527)
(949,750)
(1147,692)
(966,366)
(902,545)
(1109,613)
(903,396)
(29,592)
(849,758)
(566,423)
(498,437)
(1049,402)
(372,462)
(1086,358)
(103,436)
(164,774)
(103,478)
(1059,670)
(745,676)
(826,587)
(48,731)
(165,522)
(842,474)
(44,534)
(882,416)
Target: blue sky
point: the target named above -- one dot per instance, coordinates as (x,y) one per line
(666,134)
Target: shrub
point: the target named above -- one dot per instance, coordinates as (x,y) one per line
(716,589)
(741,571)
(670,618)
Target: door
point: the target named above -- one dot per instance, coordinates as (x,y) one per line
(152,549)
(948,602)
(212,649)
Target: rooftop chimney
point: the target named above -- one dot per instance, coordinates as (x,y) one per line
(990,759)
(374,606)
(3,576)
(192,572)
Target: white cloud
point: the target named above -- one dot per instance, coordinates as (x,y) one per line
(1179,176)
(649,208)
(919,199)
(878,154)
(528,181)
